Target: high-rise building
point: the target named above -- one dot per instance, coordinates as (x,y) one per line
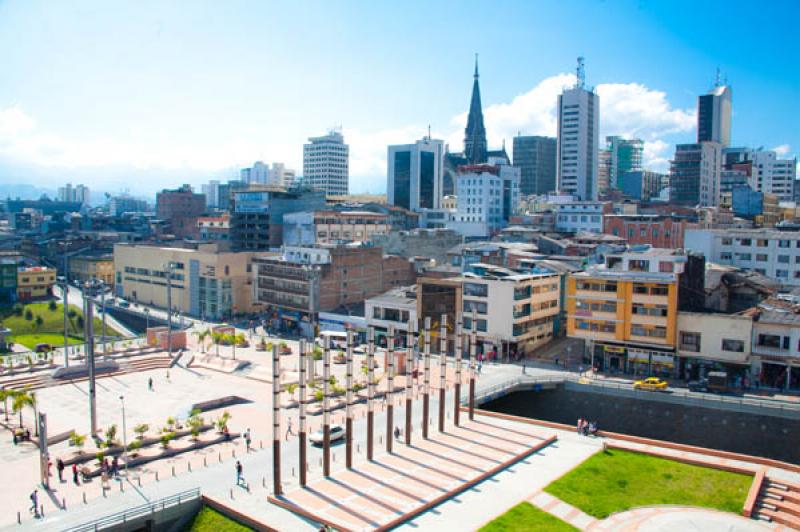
(766,172)
(325,163)
(714,115)
(123,203)
(78,193)
(578,140)
(695,174)
(536,159)
(604,181)
(281,176)
(211,191)
(625,156)
(415,174)
(257,174)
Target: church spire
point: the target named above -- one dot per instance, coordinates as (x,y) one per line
(475,133)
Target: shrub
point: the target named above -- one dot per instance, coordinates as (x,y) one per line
(19,308)
(111,435)
(79,322)
(141,429)
(28,314)
(72,313)
(52,306)
(77,440)
(195,423)
(100,456)
(166,438)
(222,421)
(319,395)
(134,447)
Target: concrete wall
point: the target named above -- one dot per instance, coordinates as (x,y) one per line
(759,435)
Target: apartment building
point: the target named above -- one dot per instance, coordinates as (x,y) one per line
(776,344)
(713,342)
(95,266)
(394,308)
(324,227)
(180,208)
(215,227)
(775,254)
(205,282)
(659,231)
(515,313)
(580,216)
(627,309)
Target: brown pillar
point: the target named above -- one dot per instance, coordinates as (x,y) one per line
(427,382)
(370,391)
(276,422)
(302,411)
(349,402)
(326,412)
(442,369)
(390,391)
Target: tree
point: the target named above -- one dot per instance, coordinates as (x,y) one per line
(19,308)
(77,440)
(291,388)
(236,339)
(201,337)
(170,423)
(195,423)
(111,435)
(28,314)
(134,447)
(38,321)
(71,313)
(141,429)
(165,438)
(217,338)
(52,306)
(222,421)
(21,399)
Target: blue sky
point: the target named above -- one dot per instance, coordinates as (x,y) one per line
(142,95)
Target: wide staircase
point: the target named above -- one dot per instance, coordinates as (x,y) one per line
(779,502)
(43,379)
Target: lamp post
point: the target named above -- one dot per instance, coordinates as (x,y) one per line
(124,435)
(103,307)
(169,266)
(146,320)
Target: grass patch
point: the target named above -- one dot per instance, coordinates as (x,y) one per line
(525,517)
(209,520)
(51,330)
(615,480)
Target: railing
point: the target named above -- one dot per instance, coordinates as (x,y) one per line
(138,511)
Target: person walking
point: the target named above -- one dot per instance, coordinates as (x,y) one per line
(247,439)
(289,429)
(34,503)
(150,384)
(60,469)
(239,477)
(75,474)
(579,426)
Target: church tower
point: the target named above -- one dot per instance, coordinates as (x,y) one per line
(475,134)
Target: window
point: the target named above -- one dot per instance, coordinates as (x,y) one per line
(761,243)
(666,267)
(769,340)
(474,306)
(727,241)
(786,342)
(783,259)
(761,257)
(690,341)
(784,243)
(745,256)
(658,291)
(726,255)
(639,265)
(745,242)
(782,274)
(736,346)
(475,289)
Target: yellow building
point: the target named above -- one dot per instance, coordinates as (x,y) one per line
(86,267)
(35,282)
(627,311)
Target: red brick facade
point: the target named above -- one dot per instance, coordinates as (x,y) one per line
(658,231)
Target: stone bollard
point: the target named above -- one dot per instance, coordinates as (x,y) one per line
(41,510)
(231,493)
(122,487)
(139,481)
(63,503)
(84,497)
(173,471)
(261,444)
(293,471)
(19,518)
(205,462)
(263,482)
(219,455)
(156,476)
(189,465)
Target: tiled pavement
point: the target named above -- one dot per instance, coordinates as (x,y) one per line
(565,512)
(377,493)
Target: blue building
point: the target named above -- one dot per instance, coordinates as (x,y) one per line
(746,202)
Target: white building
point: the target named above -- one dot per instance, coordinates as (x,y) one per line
(326,163)
(775,254)
(211,191)
(488,195)
(579,216)
(767,173)
(281,176)
(415,173)
(392,309)
(257,174)
(578,140)
(78,193)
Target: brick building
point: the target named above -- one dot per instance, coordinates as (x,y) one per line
(181,208)
(659,231)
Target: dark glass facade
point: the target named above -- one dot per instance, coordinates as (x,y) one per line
(705,118)
(427,172)
(536,158)
(402,179)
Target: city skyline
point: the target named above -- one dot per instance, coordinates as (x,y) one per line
(156,106)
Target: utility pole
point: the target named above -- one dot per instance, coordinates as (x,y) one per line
(89,292)
(427,382)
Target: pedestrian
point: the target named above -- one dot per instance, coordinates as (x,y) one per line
(239,477)
(396,432)
(34,503)
(579,425)
(523,368)
(60,469)
(580,370)
(168,376)
(75,474)
(289,428)
(150,384)
(247,439)
(115,467)
(15,437)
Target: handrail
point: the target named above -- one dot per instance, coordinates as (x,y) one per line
(138,511)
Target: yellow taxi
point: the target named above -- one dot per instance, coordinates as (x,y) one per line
(650,383)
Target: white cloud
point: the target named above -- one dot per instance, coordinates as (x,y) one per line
(782,150)
(630,110)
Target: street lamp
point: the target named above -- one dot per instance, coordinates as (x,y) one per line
(169,266)
(124,435)
(147,319)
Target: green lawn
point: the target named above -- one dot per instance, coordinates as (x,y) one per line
(524,517)
(51,330)
(208,520)
(614,481)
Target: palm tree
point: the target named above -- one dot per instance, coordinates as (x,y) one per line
(201,337)
(217,338)
(236,339)
(21,399)
(5,395)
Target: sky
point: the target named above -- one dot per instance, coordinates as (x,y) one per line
(142,95)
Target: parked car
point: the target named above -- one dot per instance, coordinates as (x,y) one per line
(651,383)
(700,385)
(124,304)
(337,433)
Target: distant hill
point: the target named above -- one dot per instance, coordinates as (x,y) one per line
(24,191)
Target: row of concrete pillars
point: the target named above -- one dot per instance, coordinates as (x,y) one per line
(414,338)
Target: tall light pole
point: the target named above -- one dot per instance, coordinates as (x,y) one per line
(88,323)
(370,390)
(169,308)
(442,369)
(65,291)
(302,408)
(124,435)
(472,342)
(103,306)
(409,377)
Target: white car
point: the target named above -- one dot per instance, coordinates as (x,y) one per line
(337,433)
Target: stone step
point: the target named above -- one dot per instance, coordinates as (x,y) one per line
(791,496)
(780,517)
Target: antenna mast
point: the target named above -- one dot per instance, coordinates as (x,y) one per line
(580,74)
